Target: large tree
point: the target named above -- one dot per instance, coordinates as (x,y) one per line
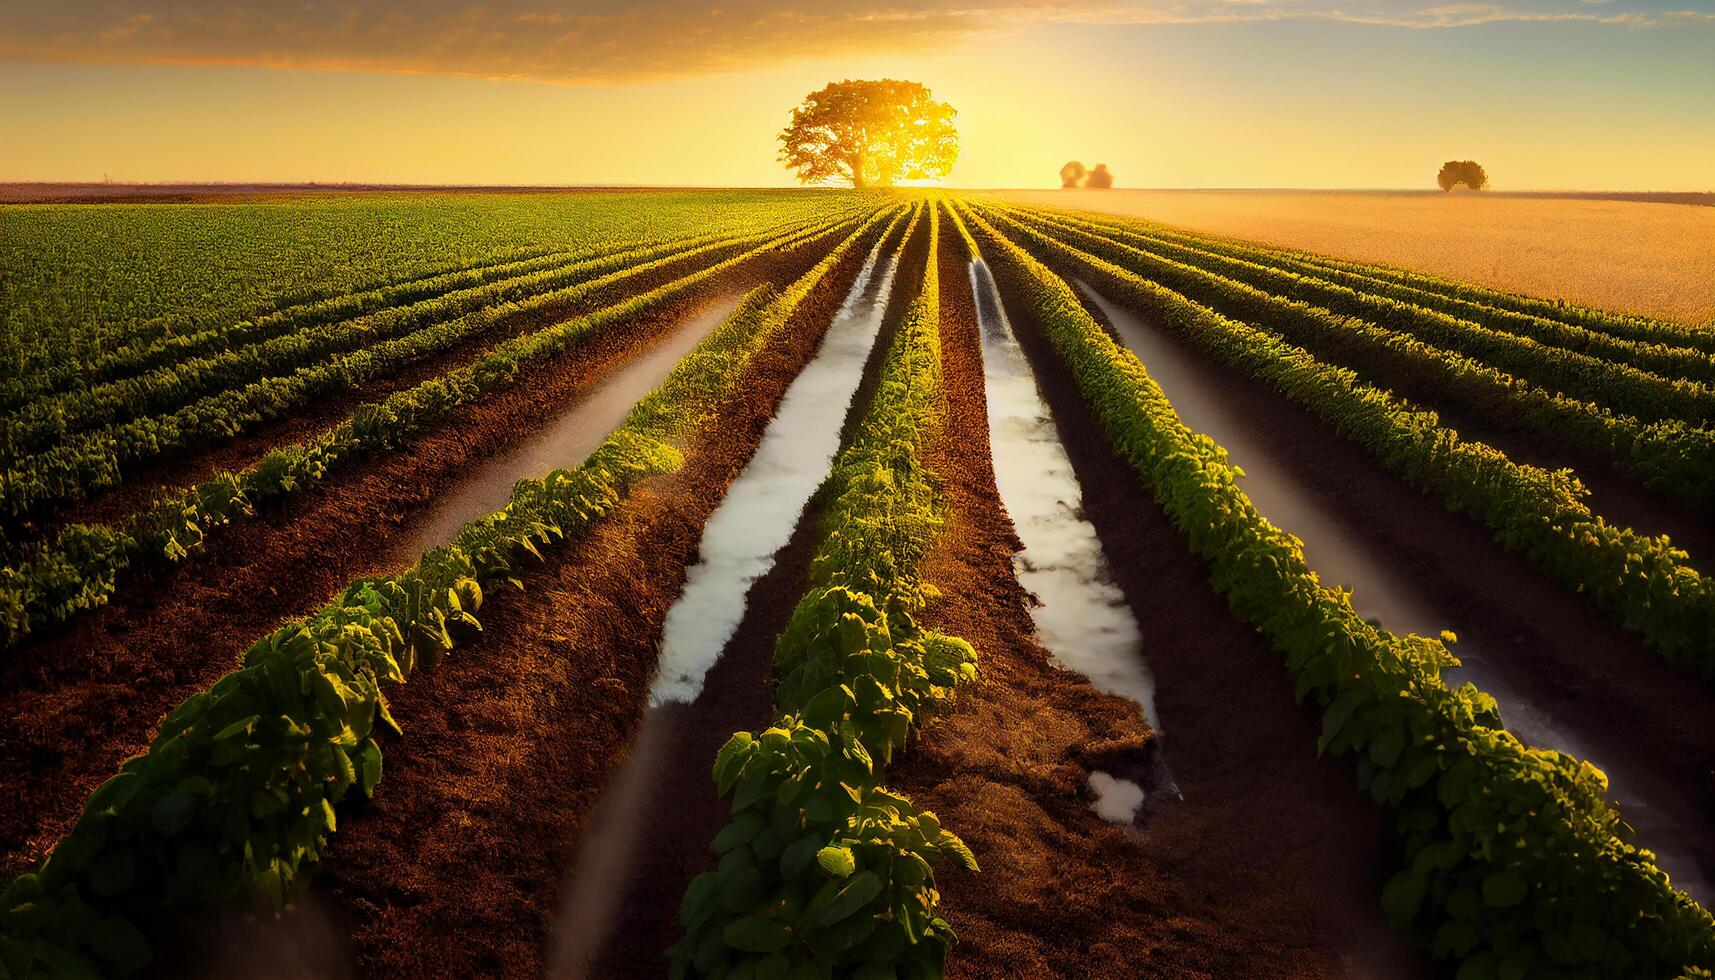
(870,133)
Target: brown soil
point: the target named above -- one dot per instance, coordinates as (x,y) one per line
(1547,642)
(113,673)
(683,811)
(454,868)
(1270,866)
(145,481)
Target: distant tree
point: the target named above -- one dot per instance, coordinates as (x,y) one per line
(1099,177)
(870,134)
(1467,172)
(1072,174)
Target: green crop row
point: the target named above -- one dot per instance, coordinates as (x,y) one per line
(83,281)
(53,419)
(99,459)
(1657,353)
(236,796)
(823,871)
(1618,386)
(1649,331)
(1672,457)
(137,354)
(1514,865)
(79,568)
(1642,583)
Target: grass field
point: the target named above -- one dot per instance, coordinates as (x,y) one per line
(1629,256)
(853,584)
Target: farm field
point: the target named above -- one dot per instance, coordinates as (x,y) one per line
(854,584)
(1652,255)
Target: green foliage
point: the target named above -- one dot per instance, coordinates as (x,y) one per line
(97,459)
(290,342)
(823,872)
(1661,352)
(1644,584)
(1473,300)
(1514,863)
(51,580)
(237,795)
(135,281)
(1613,384)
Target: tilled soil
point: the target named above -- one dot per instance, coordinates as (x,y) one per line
(1271,865)
(455,867)
(682,808)
(115,672)
(1641,718)
(145,482)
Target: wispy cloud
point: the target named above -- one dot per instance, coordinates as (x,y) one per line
(584,41)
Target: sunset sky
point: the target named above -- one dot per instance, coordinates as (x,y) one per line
(1547,94)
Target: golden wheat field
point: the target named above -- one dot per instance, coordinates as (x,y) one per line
(1639,257)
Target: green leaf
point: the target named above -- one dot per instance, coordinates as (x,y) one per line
(837,861)
(859,891)
(754,934)
(742,830)
(369,766)
(729,762)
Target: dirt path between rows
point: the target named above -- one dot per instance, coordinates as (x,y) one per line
(116,671)
(455,867)
(144,482)
(1270,866)
(1643,720)
(684,813)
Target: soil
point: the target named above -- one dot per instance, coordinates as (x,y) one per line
(144,482)
(1550,645)
(1271,865)
(113,673)
(684,811)
(455,867)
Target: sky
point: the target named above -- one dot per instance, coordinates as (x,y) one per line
(1546,94)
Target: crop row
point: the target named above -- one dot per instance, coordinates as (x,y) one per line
(1673,458)
(143,350)
(823,871)
(1465,297)
(84,281)
(237,794)
(1514,863)
(80,567)
(1618,386)
(1657,352)
(98,459)
(233,362)
(1643,583)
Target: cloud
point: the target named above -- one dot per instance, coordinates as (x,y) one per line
(590,41)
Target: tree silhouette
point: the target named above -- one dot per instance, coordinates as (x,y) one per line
(1100,177)
(1467,172)
(870,133)
(1072,174)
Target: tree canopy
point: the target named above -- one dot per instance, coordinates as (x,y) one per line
(870,134)
(1100,177)
(1467,172)
(1072,174)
